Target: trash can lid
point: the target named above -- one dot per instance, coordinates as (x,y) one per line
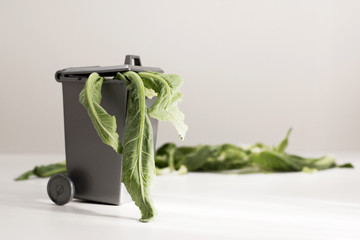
(132,63)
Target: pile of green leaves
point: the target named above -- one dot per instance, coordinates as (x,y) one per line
(228,158)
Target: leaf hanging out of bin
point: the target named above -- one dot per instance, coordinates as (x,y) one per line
(114,105)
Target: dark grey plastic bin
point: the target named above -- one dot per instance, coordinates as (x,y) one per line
(93,168)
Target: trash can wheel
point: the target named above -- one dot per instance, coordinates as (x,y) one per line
(60,189)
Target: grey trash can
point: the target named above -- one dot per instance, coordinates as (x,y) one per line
(93,168)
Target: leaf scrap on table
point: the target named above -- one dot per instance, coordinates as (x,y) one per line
(229,158)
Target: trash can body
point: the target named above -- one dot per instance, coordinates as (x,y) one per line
(94,167)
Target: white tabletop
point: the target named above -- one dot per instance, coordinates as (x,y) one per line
(321,205)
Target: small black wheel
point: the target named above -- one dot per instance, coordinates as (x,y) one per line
(60,189)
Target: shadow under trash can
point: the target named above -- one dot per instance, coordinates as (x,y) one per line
(94,169)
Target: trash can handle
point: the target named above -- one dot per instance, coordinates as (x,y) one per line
(130,59)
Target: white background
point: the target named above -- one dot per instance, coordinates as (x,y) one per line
(252,69)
